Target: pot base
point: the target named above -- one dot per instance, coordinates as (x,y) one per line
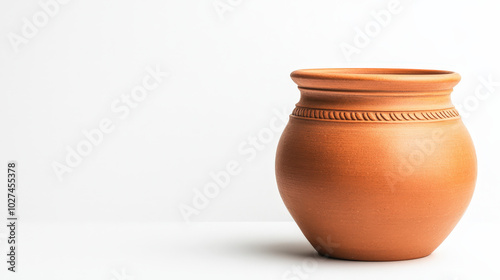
(375,257)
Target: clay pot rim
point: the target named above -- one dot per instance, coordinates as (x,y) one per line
(376,79)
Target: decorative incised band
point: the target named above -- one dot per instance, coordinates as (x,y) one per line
(366,116)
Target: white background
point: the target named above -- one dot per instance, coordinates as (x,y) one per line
(228,82)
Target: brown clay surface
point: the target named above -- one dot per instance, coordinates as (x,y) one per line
(375,164)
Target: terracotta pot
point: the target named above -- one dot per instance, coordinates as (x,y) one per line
(375,164)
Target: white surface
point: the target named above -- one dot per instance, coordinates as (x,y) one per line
(231,251)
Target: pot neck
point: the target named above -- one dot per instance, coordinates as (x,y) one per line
(390,107)
(374,101)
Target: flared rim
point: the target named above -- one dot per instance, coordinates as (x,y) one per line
(375,79)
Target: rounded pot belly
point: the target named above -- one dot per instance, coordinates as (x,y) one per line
(370,190)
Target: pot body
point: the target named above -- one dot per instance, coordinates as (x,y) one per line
(377,175)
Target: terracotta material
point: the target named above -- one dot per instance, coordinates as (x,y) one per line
(375,164)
